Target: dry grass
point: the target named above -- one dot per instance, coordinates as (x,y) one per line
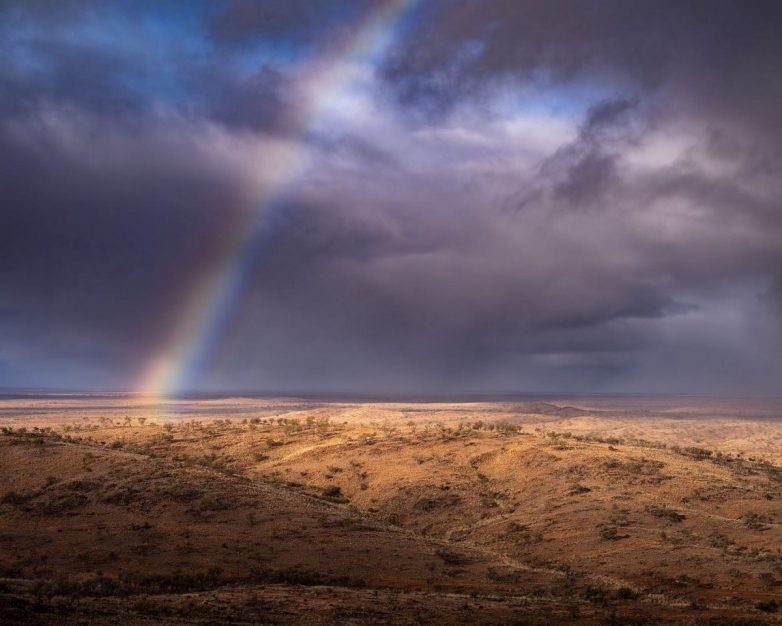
(299,511)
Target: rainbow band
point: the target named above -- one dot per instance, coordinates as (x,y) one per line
(216,293)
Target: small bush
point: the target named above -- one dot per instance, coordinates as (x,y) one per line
(452,558)
(332,492)
(306,578)
(14,498)
(768,606)
(718,540)
(697,453)
(755,521)
(611,533)
(625,593)
(661,511)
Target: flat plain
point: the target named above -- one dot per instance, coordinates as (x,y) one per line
(278,510)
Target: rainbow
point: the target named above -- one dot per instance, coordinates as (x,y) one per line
(214,294)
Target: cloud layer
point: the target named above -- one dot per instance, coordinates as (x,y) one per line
(516,196)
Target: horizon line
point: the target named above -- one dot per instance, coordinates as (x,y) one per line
(371,395)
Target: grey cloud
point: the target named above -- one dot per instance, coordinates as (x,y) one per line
(94,243)
(587,179)
(412,253)
(582,172)
(305,23)
(263,101)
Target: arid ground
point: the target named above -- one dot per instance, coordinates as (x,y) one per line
(120,510)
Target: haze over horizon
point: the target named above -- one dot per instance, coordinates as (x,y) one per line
(391,196)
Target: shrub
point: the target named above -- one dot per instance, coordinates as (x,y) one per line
(768,606)
(611,533)
(215,503)
(718,540)
(661,511)
(332,492)
(14,498)
(452,558)
(697,453)
(596,595)
(755,521)
(306,578)
(506,428)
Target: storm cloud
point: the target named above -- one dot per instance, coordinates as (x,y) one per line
(513,196)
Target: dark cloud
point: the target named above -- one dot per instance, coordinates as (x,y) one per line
(590,202)
(94,242)
(698,45)
(263,101)
(581,173)
(244,21)
(294,22)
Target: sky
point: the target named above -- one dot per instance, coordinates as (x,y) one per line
(391,196)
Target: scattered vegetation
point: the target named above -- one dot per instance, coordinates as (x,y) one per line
(488,483)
